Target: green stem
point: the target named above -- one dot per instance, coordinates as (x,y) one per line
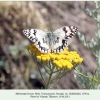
(46,69)
(97,18)
(92,79)
(41,75)
(50,75)
(99,58)
(57,70)
(86,76)
(58,78)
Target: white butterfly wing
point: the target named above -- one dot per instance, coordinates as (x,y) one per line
(37,36)
(58,38)
(62,35)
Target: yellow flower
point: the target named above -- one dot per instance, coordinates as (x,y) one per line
(38,57)
(65,59)
(44,58)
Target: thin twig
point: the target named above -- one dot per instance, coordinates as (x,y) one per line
(46,70)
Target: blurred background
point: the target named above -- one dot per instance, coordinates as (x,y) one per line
(17,67)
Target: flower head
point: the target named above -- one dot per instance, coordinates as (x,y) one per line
(65,59)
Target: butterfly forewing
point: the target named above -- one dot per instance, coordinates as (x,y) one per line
(70,31)
(38,37)
(62,35)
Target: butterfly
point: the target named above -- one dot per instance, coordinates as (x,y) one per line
(55,41)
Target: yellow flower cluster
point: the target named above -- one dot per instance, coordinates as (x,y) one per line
(63,59)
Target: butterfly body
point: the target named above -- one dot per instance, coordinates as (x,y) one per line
(55,41)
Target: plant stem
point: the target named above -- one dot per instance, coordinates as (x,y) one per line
(41,75)
(58,78)
(86,76)
(50,75)
(99,58)
(92,79)
(98,32)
